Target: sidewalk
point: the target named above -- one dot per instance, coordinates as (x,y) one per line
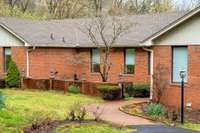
(111,113)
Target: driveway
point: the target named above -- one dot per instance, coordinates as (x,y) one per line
(160,129)
(110,112)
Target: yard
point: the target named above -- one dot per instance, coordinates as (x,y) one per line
(25,107)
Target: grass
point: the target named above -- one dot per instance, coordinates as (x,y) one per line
(25,107)
(91,128)
(190,126)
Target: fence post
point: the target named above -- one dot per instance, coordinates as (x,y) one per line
(23,74)
(51,85)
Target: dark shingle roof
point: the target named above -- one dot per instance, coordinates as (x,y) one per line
(38,32)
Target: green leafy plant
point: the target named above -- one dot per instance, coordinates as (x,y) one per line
(155,110)
(2,100)
(110,92)
(74,89)
(138,90)
(13,75)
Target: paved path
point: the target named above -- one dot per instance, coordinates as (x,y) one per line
(160,129)
(112,114)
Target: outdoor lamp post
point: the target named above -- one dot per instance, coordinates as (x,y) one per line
(182,75)
(121,83)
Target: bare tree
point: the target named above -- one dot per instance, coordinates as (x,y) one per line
(24,5)
(67,8)
(160,82)
(52,5)
(98,7)
(186,4)
(104,33)
(12,3)
(148,6)
(118,8)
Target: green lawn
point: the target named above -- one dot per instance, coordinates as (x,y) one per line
(91,128)
(25,107)
(190,126)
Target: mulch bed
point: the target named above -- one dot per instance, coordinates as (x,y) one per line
(48,126)
(141,111)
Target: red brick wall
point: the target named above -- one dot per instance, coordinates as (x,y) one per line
(171,96)
(43,60)
(18,56)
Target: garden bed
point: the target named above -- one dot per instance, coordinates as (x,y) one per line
(86,126)
(170,117)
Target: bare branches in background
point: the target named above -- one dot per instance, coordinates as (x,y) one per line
(67,8)
(61,9)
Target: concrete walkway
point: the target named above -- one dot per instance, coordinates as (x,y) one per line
(110,112)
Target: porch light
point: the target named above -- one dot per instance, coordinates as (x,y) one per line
(182,76)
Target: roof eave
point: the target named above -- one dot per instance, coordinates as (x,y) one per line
(26,43)
(149,41)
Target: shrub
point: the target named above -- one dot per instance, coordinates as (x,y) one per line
(2,83)
(155,110)
(110,92)
(77,112)
(74,89)
(2,100)
(13,75)
(138,90)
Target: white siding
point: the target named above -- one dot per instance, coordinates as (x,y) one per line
(8,40)
(188,33)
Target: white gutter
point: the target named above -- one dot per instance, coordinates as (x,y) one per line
(151,71)
(27,61)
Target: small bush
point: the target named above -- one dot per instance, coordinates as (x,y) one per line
(138,90)
(2,83)
(77,112)
(2,100)
(155,110)
(74,89)
(110,92)
(13,75)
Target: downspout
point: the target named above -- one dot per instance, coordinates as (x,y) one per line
(151,70)
(27,62)
(28,49)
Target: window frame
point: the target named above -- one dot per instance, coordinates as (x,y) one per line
(172,64)
(125,65)
(91,63)
(5,65)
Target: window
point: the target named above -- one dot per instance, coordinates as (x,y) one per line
(180,62)
(7,57)
(129,61)
(95,57)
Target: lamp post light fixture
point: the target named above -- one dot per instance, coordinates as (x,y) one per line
(182,75)
(121,84)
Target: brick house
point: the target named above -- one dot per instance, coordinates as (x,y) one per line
(170,39)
